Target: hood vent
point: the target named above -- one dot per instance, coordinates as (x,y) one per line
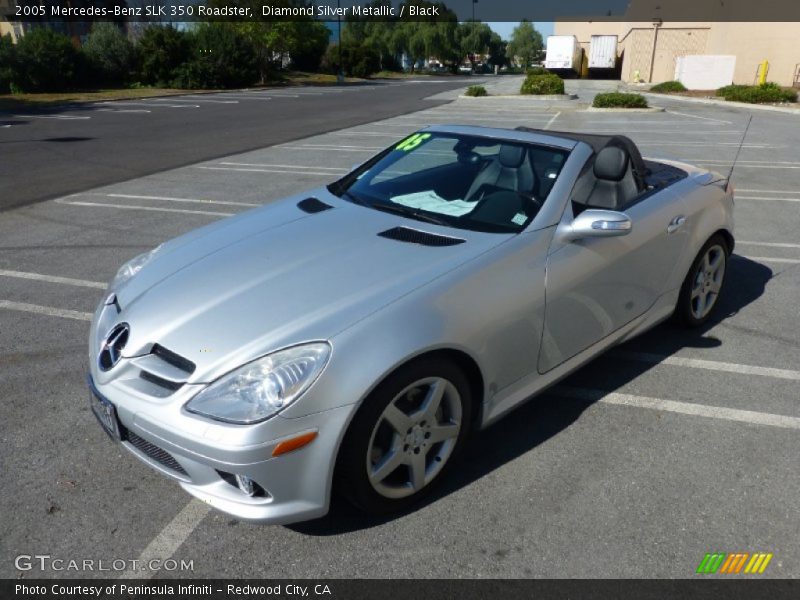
(415,236)
(312,205)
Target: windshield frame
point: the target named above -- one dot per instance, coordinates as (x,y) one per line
(341,188)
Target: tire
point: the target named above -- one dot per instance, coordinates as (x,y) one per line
(704,283)
(395,451)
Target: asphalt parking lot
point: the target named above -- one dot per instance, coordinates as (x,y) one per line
(675,444)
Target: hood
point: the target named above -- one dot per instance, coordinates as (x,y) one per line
(278,276)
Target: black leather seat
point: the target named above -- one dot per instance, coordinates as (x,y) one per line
(511,170)
(615,185)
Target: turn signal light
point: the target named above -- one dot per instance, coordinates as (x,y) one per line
(294,443)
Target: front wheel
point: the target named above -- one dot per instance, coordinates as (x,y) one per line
(704,282)
(405,436)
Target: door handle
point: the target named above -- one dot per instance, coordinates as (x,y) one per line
(675,224)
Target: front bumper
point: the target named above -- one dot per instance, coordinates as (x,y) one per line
(294,486)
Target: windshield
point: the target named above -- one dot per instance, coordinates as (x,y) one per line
(460,181)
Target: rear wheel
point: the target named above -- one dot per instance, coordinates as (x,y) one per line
(405,436)
(704,283)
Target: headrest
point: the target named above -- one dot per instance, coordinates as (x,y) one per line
(511,156)
(611,163)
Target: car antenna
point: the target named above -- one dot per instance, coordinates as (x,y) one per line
(738,151)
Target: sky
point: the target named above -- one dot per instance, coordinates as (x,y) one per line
(505,29)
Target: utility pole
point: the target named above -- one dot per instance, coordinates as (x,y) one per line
(340,75)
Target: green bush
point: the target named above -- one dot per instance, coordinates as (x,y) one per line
(757,94)
(46,62)
(536,71)
(222,58)
(619,100)
(162,50)
(110,55)
(359,60)
(539,84)
(476,90)
(668,86)
(8,63)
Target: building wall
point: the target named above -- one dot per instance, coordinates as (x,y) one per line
(7,27)
(751,43)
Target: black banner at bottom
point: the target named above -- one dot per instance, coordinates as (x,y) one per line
(394,589)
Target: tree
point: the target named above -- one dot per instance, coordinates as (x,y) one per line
(222,58)
(526,43)
(162,49)
(474,38)
(46,61)
(497,51)
(110,54)
(8,63)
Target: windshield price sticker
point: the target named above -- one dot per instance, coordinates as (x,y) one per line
(412,142)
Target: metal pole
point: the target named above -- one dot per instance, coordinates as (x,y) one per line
(656,25)
(340,75)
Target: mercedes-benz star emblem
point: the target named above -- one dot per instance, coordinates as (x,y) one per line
(111,350)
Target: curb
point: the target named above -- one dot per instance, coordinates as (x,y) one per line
(527,97)
(713,102)
(649,109)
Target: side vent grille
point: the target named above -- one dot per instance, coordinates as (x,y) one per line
(415,236)
(312,205)
(176,360)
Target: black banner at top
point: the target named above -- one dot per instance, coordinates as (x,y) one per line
(652,11)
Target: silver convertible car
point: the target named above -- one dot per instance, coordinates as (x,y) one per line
(348,339)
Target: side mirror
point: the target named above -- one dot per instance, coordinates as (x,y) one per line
(596,223)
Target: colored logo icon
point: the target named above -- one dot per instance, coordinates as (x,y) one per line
(734,563)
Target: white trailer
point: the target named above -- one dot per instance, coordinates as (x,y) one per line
(603,52)
(563,53)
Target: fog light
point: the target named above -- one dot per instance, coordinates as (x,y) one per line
(247,485)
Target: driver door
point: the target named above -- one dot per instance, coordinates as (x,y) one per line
(596,285)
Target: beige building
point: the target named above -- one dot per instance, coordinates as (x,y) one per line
(650,46)
(6,27)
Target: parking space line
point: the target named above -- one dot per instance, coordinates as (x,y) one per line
(709,365)
(62,117)
(552,120)
(46,310)
(53,279)
(169,539)
(686,408)
(769,244)
(762,199)
(172,199)
(124,110)
(298,167)
(675,112)
(195,100)
(118,103)
(337,148)
(145,208)
(255,170)
(791,261)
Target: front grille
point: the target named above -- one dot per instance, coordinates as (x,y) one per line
(152,451)
(415,236)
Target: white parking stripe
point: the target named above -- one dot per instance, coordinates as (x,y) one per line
(769,244)
(146,208)
(752,191)
(686,408)
(763,199)
(254,170)
(369,149)
(53,279)
(46,310)
(169,539)
(299,167)
(675,112)
(172,199)
(552,120)
(195,100)
(710,365)
(62,117)
(123,110)
(791,261)
(118,103)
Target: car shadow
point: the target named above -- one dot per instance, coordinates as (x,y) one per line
(545,416)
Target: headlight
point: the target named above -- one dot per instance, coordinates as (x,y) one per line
(260,389)
(131,268)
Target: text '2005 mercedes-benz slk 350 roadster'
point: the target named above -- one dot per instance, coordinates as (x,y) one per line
(347,339)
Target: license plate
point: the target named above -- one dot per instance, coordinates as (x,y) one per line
(106,414)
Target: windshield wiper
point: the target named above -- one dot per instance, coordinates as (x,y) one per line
(406,211)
